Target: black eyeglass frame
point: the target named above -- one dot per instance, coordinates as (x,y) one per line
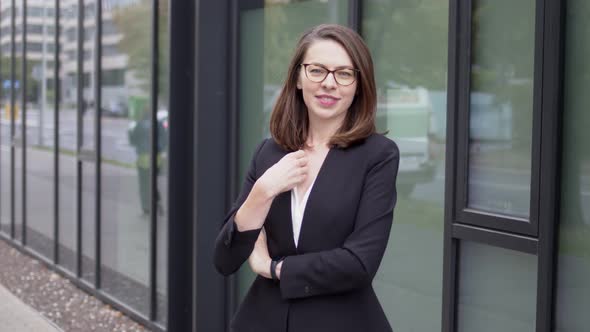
(356,73)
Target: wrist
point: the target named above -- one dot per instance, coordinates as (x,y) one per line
(262,191)
(263,268)
(278,272)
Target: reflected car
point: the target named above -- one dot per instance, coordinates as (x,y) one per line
(406,113)
(116,109)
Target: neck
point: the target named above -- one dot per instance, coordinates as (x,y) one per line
(320,133)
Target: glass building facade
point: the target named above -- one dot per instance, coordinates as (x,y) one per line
(84,138)
(127,127)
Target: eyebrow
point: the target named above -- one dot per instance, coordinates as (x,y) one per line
(335,68)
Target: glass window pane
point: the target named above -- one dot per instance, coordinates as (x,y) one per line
(126,151)
(501,106)
(573,280)
(497,289)
(88,79)
(267,40)
(88,197)
(68,77)
(5,66)
(18,122)
(40,132)
(408,42)
(18,192)
(163,134)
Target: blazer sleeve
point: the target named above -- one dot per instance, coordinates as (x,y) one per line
(233,247)
(355,263)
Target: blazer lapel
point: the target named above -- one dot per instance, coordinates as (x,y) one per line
(284,220)
(314,201)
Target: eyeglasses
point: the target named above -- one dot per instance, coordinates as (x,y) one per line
(317,74)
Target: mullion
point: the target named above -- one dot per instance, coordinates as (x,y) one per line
(354,15)
(1,168)
(79,136)
(458,60)
(12,117)
(97,141)
(232,282)
(56,99)
(550,159)
(24,127)
(153,244)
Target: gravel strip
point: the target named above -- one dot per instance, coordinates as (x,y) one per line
(57,298)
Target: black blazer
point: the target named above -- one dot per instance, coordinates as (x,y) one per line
(326,282)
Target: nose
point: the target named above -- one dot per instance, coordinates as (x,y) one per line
(329,82)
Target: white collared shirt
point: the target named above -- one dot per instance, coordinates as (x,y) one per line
(297,210)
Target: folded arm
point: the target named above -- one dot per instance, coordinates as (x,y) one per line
(355,263)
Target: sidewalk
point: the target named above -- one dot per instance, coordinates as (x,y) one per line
(15,316)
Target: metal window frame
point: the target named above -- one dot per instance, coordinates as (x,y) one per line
(183,15)
(23,139)
(12,118)
(56,142)
(551,146)
(468,215)
(539,239)
(1,96)
(153,237)
(98,143)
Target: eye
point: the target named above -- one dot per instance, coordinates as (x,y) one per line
(316,70)
(345,74)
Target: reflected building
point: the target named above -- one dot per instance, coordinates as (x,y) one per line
(41,46)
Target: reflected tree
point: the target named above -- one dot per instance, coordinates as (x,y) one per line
(134,22)
(576,122)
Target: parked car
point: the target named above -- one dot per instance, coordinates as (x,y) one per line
(407,114)
(115,108)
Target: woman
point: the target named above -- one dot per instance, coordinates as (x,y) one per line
(314,215)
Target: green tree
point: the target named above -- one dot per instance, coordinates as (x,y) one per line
(135,23)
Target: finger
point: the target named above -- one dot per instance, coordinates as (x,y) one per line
(298,154)
(302,161)
(301,178)
(302,170)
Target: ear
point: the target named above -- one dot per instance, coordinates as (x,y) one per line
(299,83)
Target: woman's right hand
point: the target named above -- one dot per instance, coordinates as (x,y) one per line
(287,173)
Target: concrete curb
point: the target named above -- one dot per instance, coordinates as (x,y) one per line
(16,316)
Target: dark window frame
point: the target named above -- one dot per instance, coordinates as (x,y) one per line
(465,214)
(540,240)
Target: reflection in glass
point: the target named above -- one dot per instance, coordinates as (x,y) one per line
(18,193)
(408,42)
(497,289)
(87,135)
(67,133)
(40,133)
(5,66)
(501,109)
(573,281)
(267,40)
(162,231)
(17,116)
(88,197)
(126,132)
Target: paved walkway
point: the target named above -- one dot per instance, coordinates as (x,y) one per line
(15,316)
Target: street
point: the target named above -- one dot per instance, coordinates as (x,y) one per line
(115,144)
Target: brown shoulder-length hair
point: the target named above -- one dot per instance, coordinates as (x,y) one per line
(289,123)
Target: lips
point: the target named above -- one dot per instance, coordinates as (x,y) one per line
(327,100)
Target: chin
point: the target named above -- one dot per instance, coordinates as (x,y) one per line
(327,114)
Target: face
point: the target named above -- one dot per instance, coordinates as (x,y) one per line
(327,101)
